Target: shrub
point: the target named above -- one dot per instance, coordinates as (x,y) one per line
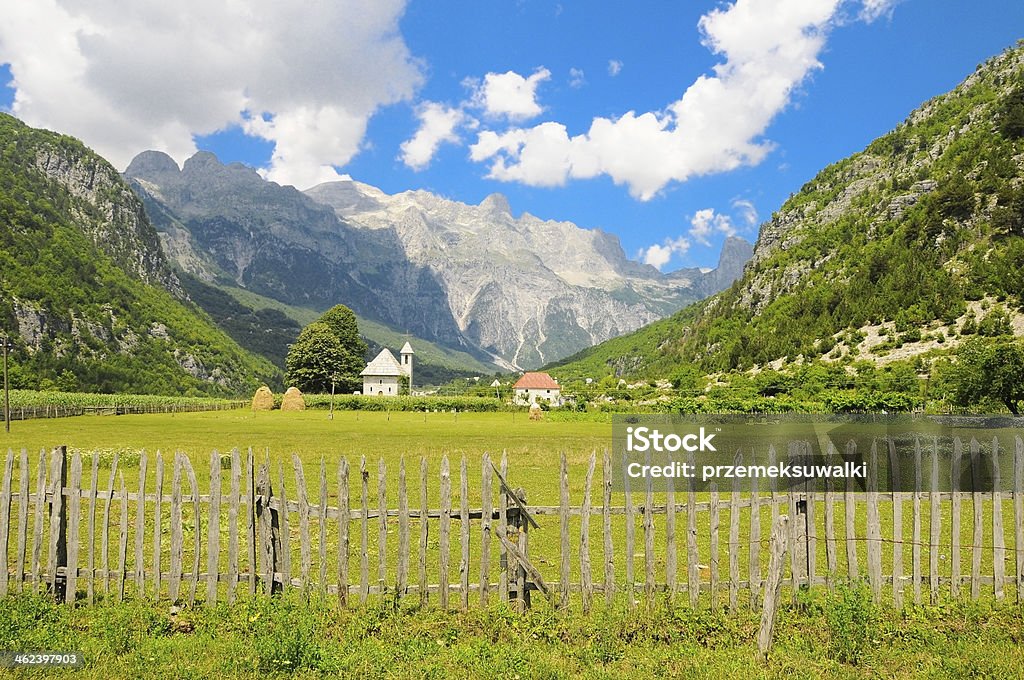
(852,619)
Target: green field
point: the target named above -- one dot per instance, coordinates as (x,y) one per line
(533,447)
(840,635)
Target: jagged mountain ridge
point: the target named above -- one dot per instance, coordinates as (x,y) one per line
(526,289)
(461,276)
(225,223)
(899,251)
(86,292)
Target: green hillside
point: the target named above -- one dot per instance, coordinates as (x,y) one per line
(85,291)
(435,364)
(899,252)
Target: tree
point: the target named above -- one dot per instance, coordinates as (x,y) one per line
(989,370)
(328,347)
(317,356)
(1011,114)
(342,322)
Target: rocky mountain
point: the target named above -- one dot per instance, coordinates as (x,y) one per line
(225,224)
(902,250)
(86,293)
(514,291)
(525,290)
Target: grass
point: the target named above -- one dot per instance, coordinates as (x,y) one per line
(837,635)
(828,635)
(312,435)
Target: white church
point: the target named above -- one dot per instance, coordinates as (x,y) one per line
(382,376)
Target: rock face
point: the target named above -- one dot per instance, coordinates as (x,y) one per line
(524,289)
(517,291)
(224,222)
(90,300)
(109,213)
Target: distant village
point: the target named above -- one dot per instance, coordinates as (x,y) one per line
(386,376)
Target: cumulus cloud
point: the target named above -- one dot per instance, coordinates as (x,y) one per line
(706,222)
(438,124)
(149,74)
(614,67)
(768,49)
(659,254)
(510,95)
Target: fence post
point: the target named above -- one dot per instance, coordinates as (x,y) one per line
(58,523)
(776,563)
(269,525)
(524,548)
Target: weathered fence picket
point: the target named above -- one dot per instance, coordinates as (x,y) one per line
(74,501)
(485,528)
(235,489)
(609,550)
(464,534)
(563,527)
(213,533)
(105,541)
(402,580)
(5,518)
(586,581)
(140,526)
(954,577)
(23,478)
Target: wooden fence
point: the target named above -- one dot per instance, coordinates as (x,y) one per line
(388,537)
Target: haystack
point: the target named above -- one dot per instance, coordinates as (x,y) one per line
(535,412)
(292,400)
(263,400)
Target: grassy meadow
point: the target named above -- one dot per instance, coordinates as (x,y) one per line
(819,634)
(827,636)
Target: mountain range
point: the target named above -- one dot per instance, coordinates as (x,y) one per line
(514,292)
(196,279)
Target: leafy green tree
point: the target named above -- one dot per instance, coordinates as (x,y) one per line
(342,322)
(317,356)
(988,370)
(1011,115)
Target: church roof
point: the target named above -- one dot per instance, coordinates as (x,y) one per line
(536,381)
(384,364)
(406,349)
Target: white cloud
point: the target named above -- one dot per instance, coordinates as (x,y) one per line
(511,95)
(437,126)
(769,48)
(577,78)
(659,254)
(748,213)
(873,9)
(706,222)
(614,67)
(152,75)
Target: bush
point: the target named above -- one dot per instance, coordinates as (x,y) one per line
(852,619)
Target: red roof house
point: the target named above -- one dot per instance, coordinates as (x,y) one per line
(534,386)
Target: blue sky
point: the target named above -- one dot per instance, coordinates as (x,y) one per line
(669,125)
